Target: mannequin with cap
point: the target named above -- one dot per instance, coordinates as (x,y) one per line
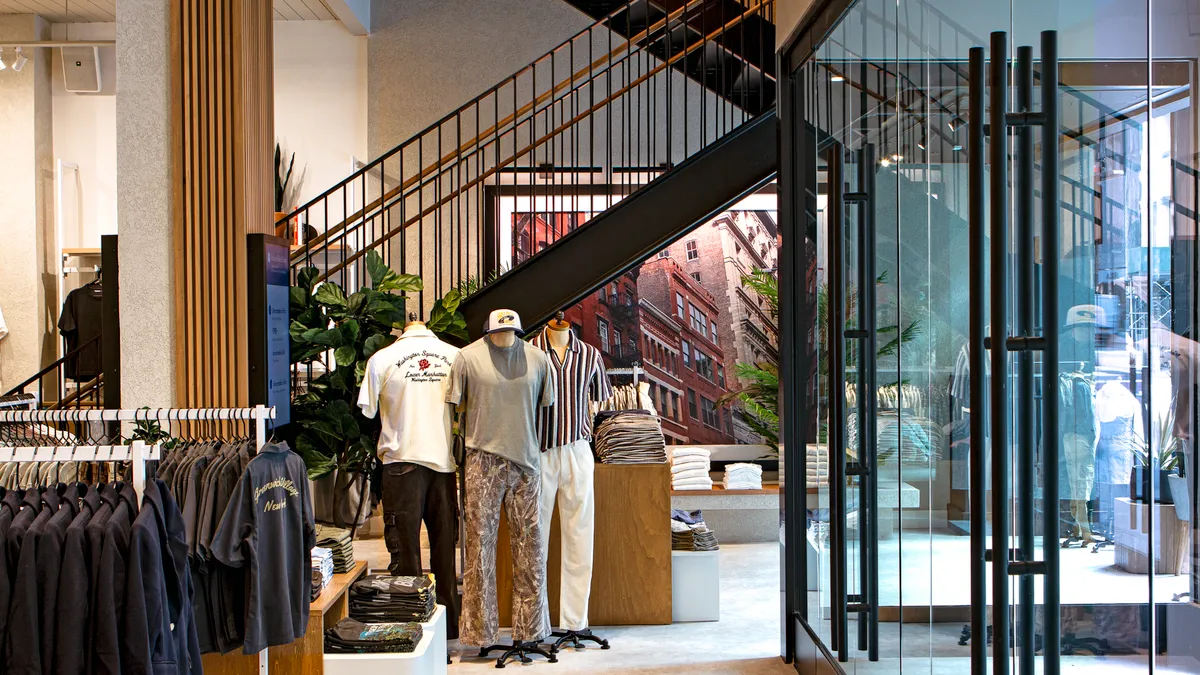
(501,384)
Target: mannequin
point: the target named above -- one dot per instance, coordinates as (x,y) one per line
(501,384)
(568,469)
(559,335)
(1077,415)
(405,383)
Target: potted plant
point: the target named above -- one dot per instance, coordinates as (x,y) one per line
(338,333)
(1154,469)
(283,188)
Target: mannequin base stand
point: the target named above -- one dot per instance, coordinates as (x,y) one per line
(576,638)
(519,651)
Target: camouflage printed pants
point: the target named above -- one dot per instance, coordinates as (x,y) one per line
(491,482)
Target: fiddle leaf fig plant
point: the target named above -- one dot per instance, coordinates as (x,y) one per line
(335,334)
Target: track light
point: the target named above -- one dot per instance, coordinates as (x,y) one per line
(20,61)
(837,78)
(2,64)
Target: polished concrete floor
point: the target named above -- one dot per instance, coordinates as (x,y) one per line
(744,641)
(921,568)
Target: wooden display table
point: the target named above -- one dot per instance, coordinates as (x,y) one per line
(1131,532)
(631,573)
(305,656)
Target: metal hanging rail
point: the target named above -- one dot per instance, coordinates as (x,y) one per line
(137,452)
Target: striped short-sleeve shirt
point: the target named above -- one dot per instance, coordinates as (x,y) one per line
(581,378)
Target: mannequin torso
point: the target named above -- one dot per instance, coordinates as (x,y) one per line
(559,339)
(504,338)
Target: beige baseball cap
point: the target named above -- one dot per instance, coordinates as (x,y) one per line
(503,319)
(1085,315)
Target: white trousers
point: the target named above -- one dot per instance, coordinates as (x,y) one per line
(567,473)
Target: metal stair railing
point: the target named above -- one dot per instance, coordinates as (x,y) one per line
(560,141)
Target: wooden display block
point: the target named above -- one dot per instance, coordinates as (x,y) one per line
(305,656)
(1131,530)
(631,573)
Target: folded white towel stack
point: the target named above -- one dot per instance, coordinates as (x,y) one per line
(743,477)
(689,469)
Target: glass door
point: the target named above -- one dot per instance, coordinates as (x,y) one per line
(1018,492)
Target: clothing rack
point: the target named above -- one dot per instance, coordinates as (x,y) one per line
(137,452)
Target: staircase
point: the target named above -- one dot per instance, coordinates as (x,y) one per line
(570,171)
(739,65)
(52,389)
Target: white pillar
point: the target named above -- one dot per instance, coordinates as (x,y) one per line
(145,203)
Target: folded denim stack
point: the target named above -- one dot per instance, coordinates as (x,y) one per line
(351,636)
(337,540)
(322,569)
(742,476)
(388,599)
(629,437)
(689,533)
(689,469)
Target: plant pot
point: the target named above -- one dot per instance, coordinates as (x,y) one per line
(1140,484)
(1163,487)
(1177,486)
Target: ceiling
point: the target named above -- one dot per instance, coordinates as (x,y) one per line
(62,11)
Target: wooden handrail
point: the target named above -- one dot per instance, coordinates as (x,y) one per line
(463,148)
(87,388)
(387,236)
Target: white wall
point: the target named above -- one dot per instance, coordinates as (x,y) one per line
(320,101)
(85,127)
(26,209)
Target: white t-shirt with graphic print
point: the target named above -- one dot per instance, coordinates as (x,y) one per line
(406,384)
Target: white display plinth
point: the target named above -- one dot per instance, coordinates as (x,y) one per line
(429,658)
(695,586)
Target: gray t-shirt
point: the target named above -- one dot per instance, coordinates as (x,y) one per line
(501,390)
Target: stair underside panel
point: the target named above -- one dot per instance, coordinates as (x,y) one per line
(615,241)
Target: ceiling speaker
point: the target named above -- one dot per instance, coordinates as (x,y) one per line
(81,69)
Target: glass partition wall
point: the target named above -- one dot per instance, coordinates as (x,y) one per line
(1081,463)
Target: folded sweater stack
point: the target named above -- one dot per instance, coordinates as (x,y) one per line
(743,476)
(689,469)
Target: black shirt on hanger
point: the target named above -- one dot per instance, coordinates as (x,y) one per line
(268,527)
(83,319)
(158,624)
(110,584)
(71,627)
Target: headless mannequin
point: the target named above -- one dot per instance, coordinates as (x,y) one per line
(559,335)
(412,323)
(503,339)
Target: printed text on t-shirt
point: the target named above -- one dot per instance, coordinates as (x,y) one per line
(285,484)
(429,367)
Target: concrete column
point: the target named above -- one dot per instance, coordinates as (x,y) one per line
(26,206)
(145,204)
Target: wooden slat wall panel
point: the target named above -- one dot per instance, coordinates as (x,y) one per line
(224,135)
